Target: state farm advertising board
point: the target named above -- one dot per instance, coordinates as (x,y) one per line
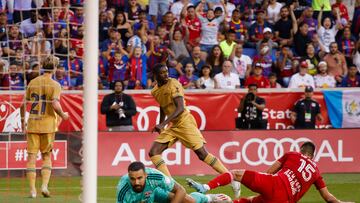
(337,150)
(207,108)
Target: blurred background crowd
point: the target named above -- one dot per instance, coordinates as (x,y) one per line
(207,44)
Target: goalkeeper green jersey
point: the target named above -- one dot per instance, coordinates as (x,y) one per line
(157,188)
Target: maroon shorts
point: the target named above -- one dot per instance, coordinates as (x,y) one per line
(270,187)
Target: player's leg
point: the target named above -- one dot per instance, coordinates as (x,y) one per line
(155,155)
(46,145)
(33,145)
(216,164)
(220,180)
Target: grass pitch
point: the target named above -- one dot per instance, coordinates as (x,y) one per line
(68,189)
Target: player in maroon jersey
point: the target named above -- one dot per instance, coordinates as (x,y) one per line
(286,181)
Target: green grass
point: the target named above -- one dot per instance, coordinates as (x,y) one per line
(67,189)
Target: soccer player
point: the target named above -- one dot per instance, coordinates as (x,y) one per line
(43,93)
(287,180)
(150,185)
(181,125)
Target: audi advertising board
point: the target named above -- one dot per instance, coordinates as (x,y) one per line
(337,150)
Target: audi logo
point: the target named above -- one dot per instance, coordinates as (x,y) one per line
(143,120)
(263,147)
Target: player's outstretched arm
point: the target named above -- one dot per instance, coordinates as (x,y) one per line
(274,168)
(180,107)
(57,108)
(179,194)
(328,197)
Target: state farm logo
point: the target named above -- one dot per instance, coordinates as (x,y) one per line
(143,118)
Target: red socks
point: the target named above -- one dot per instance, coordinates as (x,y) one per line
(221,180)
(242,200)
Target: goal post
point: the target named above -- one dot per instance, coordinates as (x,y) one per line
(90,135)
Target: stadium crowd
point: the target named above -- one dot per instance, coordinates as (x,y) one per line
(225,44)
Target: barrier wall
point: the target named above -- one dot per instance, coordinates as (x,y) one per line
(337,150)
(208,109)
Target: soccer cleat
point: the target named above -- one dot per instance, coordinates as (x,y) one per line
(218,198)
(197,186)
(32,194)
(236,186)
(45,192)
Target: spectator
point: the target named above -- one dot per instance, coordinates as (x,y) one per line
(312,59)
(13,41)
(347,44)
(133,11)
(16,79)
(118,66)
(157,7)
(257,78)
(177,8)
(319,5)
(61,44)
(323,79)
(273,11)
(336,63)
(143,21)
(188,80)
(267,39)
(4,76)
(3,27)
(137,72)
(272,81)
(226,79)
(138,40)
(352,79)
(256,31)
(307,18)
(76,21)
(168,20)
(342,9)
(284,65)
(58,23)
(77,41)
(238,26)
(32,71)
(194,25)
(306,111)
(194,59)
(241,63)
(209,28)
(228,45)
(264,58)
(123,27)
(103,72)
(251,108)
(301,37)
(282,28)
(206,81)
(111,45)
(164,35)
(327,31)
(252,6)
(228,7)
(62,78)
(74,66)
(178,41)
(21,10)
(119,109)
(302,78)
(215,59)
(104,26)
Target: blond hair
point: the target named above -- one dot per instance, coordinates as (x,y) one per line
(50,63)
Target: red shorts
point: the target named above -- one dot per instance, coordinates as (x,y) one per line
(270,187)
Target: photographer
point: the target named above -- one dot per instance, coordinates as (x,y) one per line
(119,108)
(251,108)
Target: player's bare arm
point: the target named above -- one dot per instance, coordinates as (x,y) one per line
(57,108)
(274,168)
(22,114)
(179,194)
(180,107)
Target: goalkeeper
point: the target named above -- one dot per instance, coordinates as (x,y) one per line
(143,184)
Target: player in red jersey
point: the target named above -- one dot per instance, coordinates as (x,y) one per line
(286,181)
